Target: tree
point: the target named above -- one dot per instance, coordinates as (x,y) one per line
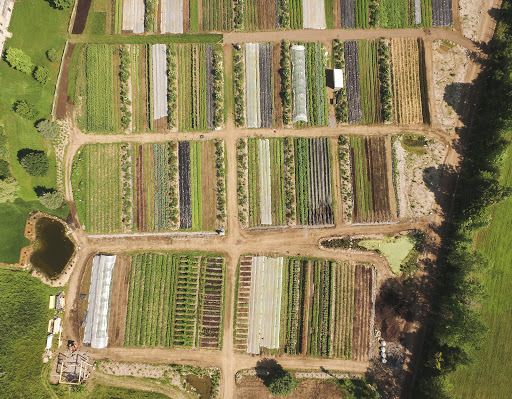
(62,4)
(281,383)
(52,199)
(48,129)
(42,75)
(8,188)
(25,109)
(4,169)
(19,60)
(35,163)
(51,55)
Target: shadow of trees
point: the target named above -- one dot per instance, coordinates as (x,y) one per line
(266,369)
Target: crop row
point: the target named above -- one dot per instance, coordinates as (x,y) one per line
(175,300)
(316,88)
(341,107)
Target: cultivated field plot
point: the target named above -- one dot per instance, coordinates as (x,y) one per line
(352,83)
(301,306)
(288,177)
(175,300)
(159,187)
(260,14)
(259,90)
(298,60)
(102,104)
(372,186)
(171,86)
(217,15)
(409,81)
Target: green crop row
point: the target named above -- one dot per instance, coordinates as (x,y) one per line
(302,183)
(316,88)
(172,86)
(361,180)
(369,79)
(254,184)
(238,85)
(218,15)
(100,116)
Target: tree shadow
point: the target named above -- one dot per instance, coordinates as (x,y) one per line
(41,190)
(266,369)
(25,151)
(441,181)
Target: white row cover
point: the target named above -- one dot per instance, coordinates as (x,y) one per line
(159,60)
(313,12)
(252,67)
(172,16)
(265,303)
(96,327)
(133,15)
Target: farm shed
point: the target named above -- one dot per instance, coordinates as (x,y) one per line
(334,79)
(133,15)
(265,303)
(299,84)
(96,322)
(56,325)
(51,305)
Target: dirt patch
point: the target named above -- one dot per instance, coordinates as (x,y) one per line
(450,66)
(118,307)
(250,387)
(160,125)
(82,11)
(63,87)
(77,312)
(209,185)
(266,14)
(186,16)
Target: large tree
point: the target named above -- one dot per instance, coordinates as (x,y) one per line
(281,383)
(52,199)
(61,4)
(19,60)
(48,129)
(25,109)
(42,75)
(35,163)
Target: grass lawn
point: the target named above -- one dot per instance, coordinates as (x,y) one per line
(489,374)
(24,316)
(36,27)
(395,251)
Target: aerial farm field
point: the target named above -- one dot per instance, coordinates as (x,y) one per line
(200,154)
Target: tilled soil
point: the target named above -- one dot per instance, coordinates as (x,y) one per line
(63,87)
(118,301)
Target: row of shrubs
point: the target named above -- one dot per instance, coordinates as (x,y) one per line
(20,61)
(218,84)
(172,95)
(386,97)
(221,181)
(289,189)
(126,167)
(238,86)
(124,75)
(241,156)
(286,82)
(341,107)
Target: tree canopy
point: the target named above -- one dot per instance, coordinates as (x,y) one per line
(52,199)
(48,129)
(281,383)
(19,60)
(8,188)
(62,4)
(25,109)
(51,55)
(35,163)
(42,75)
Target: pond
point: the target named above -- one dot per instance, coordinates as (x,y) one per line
(53,248)
(202,384)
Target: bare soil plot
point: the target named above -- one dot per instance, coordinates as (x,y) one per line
(133,16)
(410,95)
(313,12)
(442,13)
(353,85)
(63,86)
(172,16)
(120,285)
(82,11)
(364,312)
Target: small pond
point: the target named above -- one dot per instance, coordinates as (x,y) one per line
(202,384)
(53,248)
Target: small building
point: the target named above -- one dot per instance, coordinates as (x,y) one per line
(56,325)
(334,79)
(51,305)
(50,326)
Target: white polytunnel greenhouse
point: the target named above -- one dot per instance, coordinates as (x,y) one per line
(96,322)
(299,84)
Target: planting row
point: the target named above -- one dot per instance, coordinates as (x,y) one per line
(302,306)
(123,188)
(283,177)
(175,300)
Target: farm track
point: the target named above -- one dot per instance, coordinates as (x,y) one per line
(295,240)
